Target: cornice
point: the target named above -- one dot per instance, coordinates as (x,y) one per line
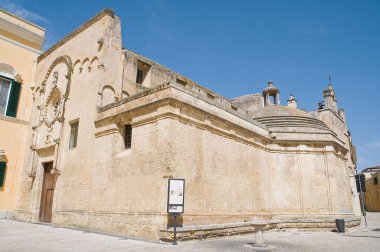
(20,44)
(22,32)
(107,126)
(21,19)
(181,109)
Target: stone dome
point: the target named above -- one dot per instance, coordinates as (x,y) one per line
(282,118)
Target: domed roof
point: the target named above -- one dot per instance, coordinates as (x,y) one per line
(279,111)
(283,118)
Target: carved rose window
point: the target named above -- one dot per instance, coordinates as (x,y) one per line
(53,106)
(54,109)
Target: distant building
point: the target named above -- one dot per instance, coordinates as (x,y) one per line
(20,44)
(368,172)
(372,197)
(109,127)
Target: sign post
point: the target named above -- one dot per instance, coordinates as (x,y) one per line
(360,187)
(176,200)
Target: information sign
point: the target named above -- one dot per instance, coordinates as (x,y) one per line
(176,196)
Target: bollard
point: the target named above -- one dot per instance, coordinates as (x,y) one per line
(340,225)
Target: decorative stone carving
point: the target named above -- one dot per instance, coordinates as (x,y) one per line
(102,66)
(48,139)
(32,174)
(100,43)
(55,80)
(55,171)
(53,106)
(18,78)
(64,60)
(50,128)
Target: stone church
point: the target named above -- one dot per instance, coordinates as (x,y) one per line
(109,127)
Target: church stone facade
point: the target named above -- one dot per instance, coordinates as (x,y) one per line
(109,127)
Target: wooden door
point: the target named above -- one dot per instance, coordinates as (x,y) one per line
(47,194)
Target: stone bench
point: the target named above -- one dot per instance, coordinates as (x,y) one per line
(226,229)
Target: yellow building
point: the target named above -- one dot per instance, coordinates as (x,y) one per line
(20,45)
(372,197)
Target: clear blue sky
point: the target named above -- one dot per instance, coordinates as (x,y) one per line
(234,47)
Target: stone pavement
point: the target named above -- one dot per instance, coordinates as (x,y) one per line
(20,236)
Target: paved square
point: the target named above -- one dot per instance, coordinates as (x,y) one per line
(20,236)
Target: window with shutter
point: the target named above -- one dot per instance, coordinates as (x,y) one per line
(9,96)
(3,166)
(13,99)
(5,86)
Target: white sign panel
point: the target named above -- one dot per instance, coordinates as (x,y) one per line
(176,194)
(175,209)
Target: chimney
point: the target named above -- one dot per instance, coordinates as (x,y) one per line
(292,102)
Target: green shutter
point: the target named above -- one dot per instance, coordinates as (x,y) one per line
(3,165)
(13,99)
